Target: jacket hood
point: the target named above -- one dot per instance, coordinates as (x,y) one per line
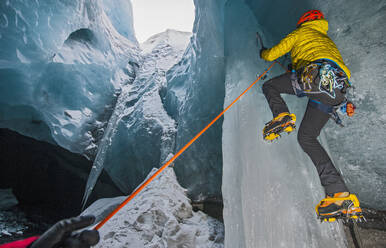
(321,25)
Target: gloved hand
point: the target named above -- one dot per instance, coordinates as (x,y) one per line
(60,234)
(261,51)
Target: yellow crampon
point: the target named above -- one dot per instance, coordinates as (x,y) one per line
(273,131)
(351,211)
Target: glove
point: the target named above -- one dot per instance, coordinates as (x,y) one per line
(261,51)
(60,234)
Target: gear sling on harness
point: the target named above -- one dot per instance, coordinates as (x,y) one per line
(323,76)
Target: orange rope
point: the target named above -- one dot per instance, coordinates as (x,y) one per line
(129,198)
(282,66)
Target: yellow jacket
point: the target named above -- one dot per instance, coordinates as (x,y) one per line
(307,43)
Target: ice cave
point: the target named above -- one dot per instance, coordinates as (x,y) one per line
(87,113)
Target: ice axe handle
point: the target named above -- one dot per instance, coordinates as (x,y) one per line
(259,40)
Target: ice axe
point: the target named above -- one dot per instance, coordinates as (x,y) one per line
(260,40)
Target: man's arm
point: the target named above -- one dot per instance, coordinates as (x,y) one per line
(284,46)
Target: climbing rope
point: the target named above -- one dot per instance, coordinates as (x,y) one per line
(139,189)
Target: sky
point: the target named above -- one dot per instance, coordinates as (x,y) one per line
(155,16)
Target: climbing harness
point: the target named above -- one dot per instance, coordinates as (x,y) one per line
(144,184)
(323,76)
(320,76)
(332,111)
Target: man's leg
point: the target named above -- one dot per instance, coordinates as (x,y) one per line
(272,90)
(312,123)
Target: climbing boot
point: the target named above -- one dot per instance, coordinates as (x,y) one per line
(284,122)
(342,205)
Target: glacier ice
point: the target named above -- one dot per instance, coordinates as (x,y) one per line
(140,133)
(72,73)
(268,198)
(61,66)
(120,13)
(160,216)
(195,96)
(269,190)
(359,148)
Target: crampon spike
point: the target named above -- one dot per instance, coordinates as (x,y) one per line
(350,211)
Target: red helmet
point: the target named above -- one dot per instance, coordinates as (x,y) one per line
(310,16)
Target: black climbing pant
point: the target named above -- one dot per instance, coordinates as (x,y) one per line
(312,123)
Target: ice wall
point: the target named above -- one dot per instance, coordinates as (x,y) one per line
(140,134)
(359,149)
(61,64)
(120,13)
(270,190)
(195,94)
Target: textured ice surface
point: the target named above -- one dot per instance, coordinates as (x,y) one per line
(359,149)
(120,13)
(140,134)
(195,95)
(60,65)
(160,216)
(270,190)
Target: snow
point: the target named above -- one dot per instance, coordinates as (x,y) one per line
(174,38)
(160,216)
(13,223)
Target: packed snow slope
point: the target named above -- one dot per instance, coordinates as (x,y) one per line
(160,216)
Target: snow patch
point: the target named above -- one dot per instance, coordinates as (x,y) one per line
(159,216)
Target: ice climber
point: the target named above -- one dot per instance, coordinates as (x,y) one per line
(318,72)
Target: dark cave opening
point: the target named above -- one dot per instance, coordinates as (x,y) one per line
(47,180)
